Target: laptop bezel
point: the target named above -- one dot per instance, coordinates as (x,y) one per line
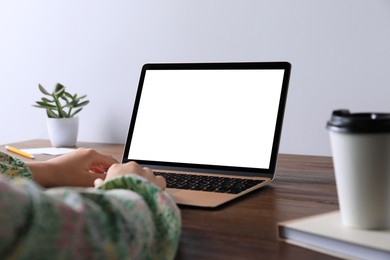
(215,169)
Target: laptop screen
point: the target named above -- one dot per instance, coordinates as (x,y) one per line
(208,115)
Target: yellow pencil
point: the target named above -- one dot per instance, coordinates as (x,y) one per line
(17,151)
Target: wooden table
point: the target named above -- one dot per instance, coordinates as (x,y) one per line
(246,228)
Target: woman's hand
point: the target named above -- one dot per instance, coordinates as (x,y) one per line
(79,168)
(132,167)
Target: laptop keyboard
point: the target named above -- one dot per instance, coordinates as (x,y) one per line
(207,183)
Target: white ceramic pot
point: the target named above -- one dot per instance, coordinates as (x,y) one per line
(63,131)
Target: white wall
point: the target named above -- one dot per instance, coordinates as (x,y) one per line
(340,52)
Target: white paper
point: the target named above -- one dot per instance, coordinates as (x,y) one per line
(48,150)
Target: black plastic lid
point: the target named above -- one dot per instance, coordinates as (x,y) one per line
(344,121)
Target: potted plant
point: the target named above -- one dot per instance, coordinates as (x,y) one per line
(61,109)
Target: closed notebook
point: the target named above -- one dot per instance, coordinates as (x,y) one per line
(325,233)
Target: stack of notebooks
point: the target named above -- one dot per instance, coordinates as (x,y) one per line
(326,234)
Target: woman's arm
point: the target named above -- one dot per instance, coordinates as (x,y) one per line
(126,217)
(79,168)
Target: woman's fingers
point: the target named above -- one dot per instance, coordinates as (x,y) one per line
(133,167)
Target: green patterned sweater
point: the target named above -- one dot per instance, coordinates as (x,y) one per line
(125,218)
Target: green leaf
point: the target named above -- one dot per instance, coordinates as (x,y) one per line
(43,104)
(65,99)
(77,100)
(47,100)
(58,87)
(68,95)
(82,104)
(43,90)
(59,92)
(76,112)
(39,106)
(51,114)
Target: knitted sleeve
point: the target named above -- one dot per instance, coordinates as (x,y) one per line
(125,218)
(13,167)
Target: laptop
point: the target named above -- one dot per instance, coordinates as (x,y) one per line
(211,129)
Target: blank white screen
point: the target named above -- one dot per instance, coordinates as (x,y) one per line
(213,117)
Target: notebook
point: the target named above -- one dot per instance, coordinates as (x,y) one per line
(211,129)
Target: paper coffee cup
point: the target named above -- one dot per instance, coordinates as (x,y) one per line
(360,145)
